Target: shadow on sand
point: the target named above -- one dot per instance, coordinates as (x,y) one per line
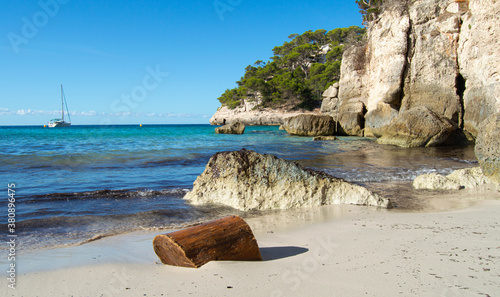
(281,252)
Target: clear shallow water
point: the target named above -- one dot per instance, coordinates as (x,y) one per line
(78,183)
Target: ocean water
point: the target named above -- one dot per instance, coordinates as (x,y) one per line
(81,183)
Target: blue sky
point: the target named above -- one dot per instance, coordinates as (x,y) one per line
(141,62)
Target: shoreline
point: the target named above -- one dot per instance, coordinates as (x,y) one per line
(342,250)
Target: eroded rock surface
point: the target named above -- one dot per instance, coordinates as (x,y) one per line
(248,180)
(233,128)
(488,147)
(441,54)
(418,127)
(310,125)
(468,178)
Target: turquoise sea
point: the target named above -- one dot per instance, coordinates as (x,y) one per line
(82,182)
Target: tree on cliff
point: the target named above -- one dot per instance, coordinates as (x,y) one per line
(369,9)
(300,70)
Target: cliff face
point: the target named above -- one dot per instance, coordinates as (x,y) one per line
(479,61)
(441,54)
(249,115)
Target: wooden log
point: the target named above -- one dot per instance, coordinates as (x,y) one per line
(229,238)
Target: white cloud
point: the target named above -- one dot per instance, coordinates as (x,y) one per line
(30,111)
(93,113)
(4,111)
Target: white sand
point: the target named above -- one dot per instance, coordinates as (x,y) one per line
(328,251)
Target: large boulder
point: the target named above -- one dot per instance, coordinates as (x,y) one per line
(248,180)
(310,125)
(418,127)
(488,147)
(352,118)
(233,128)
(468,178)
(332,91)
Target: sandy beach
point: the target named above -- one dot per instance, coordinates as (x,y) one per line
(338,250)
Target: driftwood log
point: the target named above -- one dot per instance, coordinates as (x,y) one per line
(229,238)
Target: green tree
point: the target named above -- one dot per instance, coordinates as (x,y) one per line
(369,9)
(299,71)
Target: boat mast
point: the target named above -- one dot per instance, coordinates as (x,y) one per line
(62,103)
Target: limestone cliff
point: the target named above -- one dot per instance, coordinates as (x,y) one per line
(441,54)
(250,114)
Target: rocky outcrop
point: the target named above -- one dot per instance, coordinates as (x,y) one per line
(372,73)
(488,147)
(330,103)
(441,54)
(434,181)
(468,178)
(432,71)
(247,180)
(479,61)
(309,125)
(233,128)
(349,116)
(352,118)
(418,127)
(249,114)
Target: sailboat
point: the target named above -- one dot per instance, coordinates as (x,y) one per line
(60,122)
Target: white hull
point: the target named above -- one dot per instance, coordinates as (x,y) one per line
(59,124)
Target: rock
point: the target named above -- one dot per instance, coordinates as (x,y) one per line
(250,115)
(331,92)
(373,72)
(468,178)
(431,76)
(352,118)
(434,181)
(233,128)
(479,60)
(330,106)
(330,103)
(309,125)
(488,147)
(248,180)
(379,118)
(418,127)
(440,54)
(325,138)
